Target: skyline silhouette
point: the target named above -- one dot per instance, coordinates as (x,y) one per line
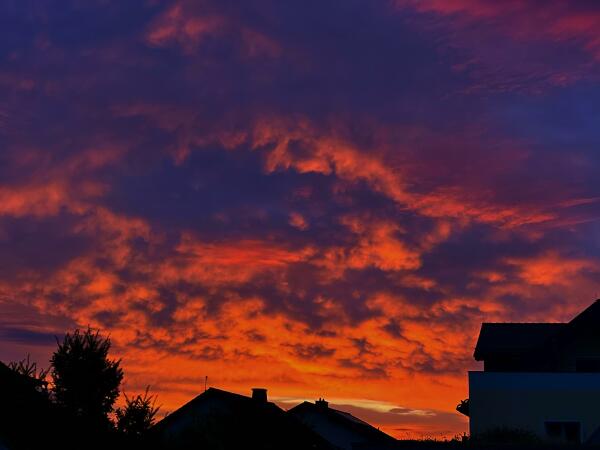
(326,198)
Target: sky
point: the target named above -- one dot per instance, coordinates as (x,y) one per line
(318,197)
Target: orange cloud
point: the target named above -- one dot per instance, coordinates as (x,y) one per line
(553,269)
(298,221)
(188,24)
(378,245)
(175,25)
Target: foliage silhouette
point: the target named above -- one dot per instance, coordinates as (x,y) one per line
(138,415)
(85,381)
(463,407)
(29,369)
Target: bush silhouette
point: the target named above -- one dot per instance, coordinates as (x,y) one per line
(463,407)
(136,418)
(85,381)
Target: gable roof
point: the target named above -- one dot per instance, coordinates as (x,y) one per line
(237,421)
(19,387)
(25,408)
(495,338)
(344,419)
(235,401)
(589,316)
(511,338)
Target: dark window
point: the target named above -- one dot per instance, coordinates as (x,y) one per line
(564,431)
(553,429)
(573,432)
(587,365)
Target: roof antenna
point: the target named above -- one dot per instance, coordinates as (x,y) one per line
(205,381)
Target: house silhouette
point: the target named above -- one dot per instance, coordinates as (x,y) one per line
(23,407)
(224,420)
(340,428)
(541,378)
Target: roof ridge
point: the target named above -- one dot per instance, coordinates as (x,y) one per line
(346,416)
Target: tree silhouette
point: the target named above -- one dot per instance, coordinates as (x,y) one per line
(136,418)
(85,381)
(29,369)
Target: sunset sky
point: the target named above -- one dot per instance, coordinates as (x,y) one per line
(324,198)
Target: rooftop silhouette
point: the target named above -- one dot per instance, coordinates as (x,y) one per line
(540,381)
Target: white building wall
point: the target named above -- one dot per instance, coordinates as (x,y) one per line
(527,401)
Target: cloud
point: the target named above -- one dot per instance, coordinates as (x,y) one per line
(389,416)
(187,24)
(27,336)
(543,48)
(311,351)
(298,221)
(322,200)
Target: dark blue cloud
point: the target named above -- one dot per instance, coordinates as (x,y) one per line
(40,245)
(27,336)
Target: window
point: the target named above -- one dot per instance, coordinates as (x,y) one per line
(564,431)
(587,365)
(572,432)
(553,430)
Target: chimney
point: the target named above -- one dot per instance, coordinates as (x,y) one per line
(259,395)
(322,403)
